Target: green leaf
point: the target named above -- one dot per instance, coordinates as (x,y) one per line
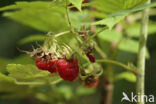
(3,77)
(81,91)
(77,3)
(127,76)
(23,59)
(80,19)
(119,15)
(38,14)
(110,6)
(66,91)
(32,38)
(29,74)
(128,45)
(134,29)
(8,85)
(109,21)
(3,65)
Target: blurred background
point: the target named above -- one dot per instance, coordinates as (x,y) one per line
(11,32)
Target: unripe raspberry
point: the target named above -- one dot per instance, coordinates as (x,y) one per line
(68,70)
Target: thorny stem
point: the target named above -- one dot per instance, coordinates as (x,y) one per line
(141,54)
(117,63)
(70,24)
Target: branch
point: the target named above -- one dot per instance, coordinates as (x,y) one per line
(141,54)
(118,64)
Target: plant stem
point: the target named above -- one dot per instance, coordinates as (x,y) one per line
(107,91)
(68,17)
(141,54)
(70,24)
(117,63)
(101,53)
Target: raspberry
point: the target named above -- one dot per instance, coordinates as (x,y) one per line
(91,82)
(68,70)
(44,65)
(51,66)
(91,57)
(41,63)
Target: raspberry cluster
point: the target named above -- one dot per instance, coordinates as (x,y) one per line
(67,69)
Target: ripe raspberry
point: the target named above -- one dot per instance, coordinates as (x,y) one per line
(91,57)
(41,63)
(51,66)
(68,70)
(91,82)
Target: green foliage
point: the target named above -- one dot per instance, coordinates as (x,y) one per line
(125,44)
(29,74)
(45,16)
(110,6)
(127,76)
(84,91)
(118,14)
(3,65)
(77,3)
(32,38)
(80,19)
(133,30)
(40,15)
(8,85)
(110,21)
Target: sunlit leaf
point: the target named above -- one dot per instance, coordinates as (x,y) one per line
(29,74)
(110,6)
(40,15)
(110,21)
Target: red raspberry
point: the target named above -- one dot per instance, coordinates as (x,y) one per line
(91,57)
(91,82)
(41,63)
(51,66)
(68,70)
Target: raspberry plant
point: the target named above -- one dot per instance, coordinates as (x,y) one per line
(82,42)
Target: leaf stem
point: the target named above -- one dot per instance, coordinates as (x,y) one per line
(118,64)
(141,54)
(62,33)
(94,35)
